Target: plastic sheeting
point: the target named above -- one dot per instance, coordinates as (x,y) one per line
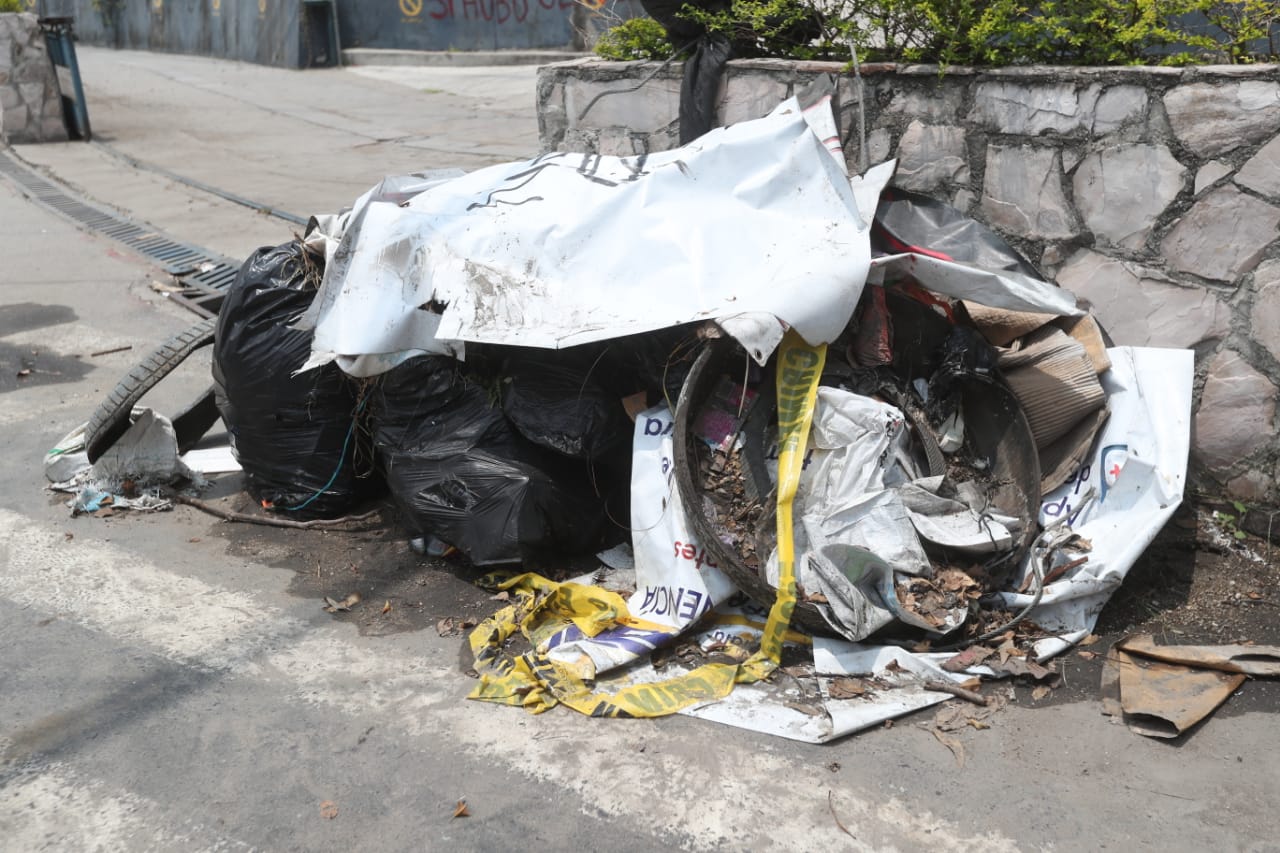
(1135,472)
(460,472)
(294,435)
(573,248)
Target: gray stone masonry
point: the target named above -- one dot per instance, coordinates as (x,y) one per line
(1153,194)
(30,103)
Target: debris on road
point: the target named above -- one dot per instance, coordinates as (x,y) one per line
(863,453)
(1164,690)
(334,606)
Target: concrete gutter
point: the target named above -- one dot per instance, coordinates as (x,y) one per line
(455,58)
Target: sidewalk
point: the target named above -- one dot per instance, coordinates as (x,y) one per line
(302,141)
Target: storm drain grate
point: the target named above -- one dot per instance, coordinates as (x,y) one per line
(203,276)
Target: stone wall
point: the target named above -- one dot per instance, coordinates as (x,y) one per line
(30,103)
(1151,193)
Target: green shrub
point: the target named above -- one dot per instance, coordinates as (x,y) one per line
(13,6)
(987,32)
(637,38)
(1086,32)
(1251,29)
(788,28)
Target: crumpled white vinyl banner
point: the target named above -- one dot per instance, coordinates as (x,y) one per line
(1136,472)
(677,582)
(752,225)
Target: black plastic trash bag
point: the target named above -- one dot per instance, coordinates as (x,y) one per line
(566,400)
(460,472)
(295,436)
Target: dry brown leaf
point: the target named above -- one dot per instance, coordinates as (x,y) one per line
(1040,693)
(501,596)
(1088,655)
(386,608)
(1090,640)
(461,810)
(328,810)
(446,627)
(69,536)
(26,371)
(1256,596)
(342,606)
(971,656)
(956,747)
(846,688)
(467,622)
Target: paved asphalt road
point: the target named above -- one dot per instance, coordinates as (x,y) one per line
(165,685)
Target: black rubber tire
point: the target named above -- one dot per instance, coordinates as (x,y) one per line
(195,420)
(112,417)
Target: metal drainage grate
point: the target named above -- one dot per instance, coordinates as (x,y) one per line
(203,275)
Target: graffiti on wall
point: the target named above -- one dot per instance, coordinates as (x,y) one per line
(488,11)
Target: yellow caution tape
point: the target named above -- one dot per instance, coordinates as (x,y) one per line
(543,607)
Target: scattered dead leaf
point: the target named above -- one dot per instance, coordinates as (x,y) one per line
(1087,655)
(972,656)
(1040,692)
(1090,640)
(846,688)
(24,372)
(501,596)
(194,539)
(332,606)
(817,598)
(953,744)
(328,810)
(461,810)
(386,608)
(446,627)
(467,622)
(69,536)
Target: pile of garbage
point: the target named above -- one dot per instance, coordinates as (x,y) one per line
(818,425)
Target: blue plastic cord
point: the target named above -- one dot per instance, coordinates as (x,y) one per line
(345,442)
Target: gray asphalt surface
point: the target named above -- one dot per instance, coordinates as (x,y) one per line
(164,687)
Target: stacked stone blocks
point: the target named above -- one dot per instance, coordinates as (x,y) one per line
(30,101)
(1151,193)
